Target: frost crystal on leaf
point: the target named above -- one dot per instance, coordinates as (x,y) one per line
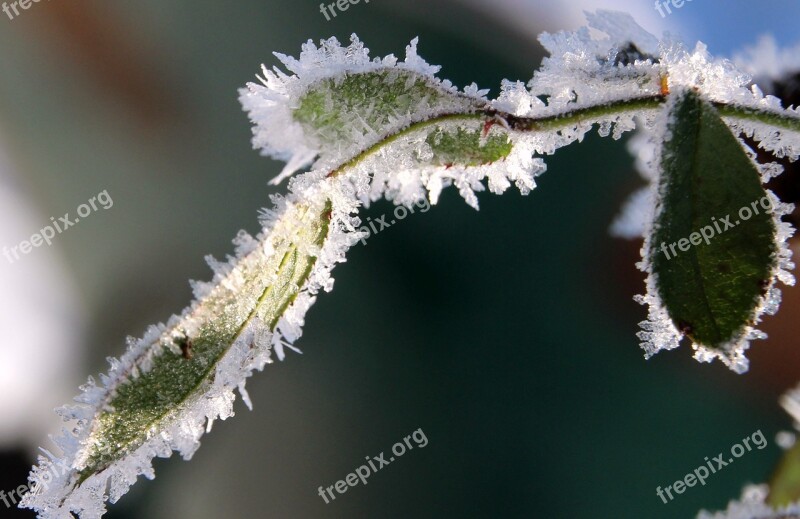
(718,81)
(157,399)
(180,377)
(339,102)
(720,328)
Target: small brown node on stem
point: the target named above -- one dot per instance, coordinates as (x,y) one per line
(664,82)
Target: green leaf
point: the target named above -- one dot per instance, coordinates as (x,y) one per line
(784,487)
(179,373)
(464,147)
(342,110)
(713,286)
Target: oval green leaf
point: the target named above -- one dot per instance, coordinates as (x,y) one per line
(713,247)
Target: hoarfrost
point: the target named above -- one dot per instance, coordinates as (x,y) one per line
(582,72)
(55,492)
(718,80)
(271,103)
(658,331)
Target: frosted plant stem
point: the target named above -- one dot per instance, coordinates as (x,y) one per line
(569,119)
(779,120)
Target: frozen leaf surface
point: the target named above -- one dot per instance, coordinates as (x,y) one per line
(713,269)
(339,102)
(181,375)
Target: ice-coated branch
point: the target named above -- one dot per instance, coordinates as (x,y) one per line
(374,128)
(512,123)
(175,381)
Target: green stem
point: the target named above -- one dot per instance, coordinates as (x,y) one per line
(777,119)
(570,118)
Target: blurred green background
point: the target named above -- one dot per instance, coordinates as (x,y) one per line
(506,335)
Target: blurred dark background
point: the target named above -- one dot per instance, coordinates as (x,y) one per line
(506,335)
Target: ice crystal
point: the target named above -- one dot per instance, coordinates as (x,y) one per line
(60,486)
(583,70)
(316,113)
(88,473)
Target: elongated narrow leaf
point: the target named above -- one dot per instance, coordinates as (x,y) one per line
(713,248)
(181,374)
(268,284)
